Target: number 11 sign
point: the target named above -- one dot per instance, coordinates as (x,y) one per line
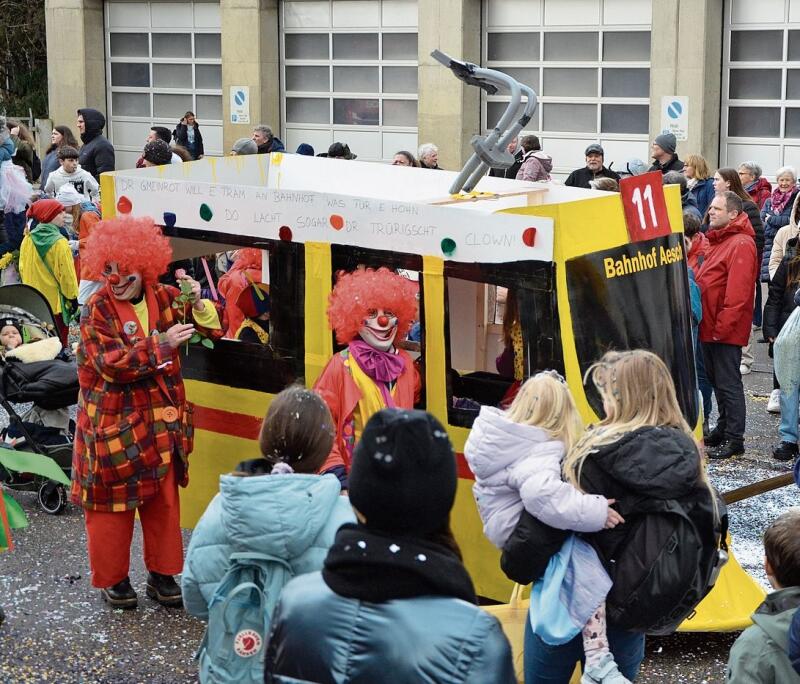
(645,206)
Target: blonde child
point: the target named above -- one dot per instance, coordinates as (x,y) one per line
(516,456)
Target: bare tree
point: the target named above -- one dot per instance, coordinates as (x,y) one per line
(23,57)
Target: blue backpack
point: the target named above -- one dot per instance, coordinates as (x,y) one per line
(238,619)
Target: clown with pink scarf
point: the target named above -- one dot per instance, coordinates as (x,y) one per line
(369,310)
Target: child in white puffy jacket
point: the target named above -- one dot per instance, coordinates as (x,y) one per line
(516,457)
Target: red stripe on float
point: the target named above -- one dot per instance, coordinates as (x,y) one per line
(248,427)
(462,468)
(226,422)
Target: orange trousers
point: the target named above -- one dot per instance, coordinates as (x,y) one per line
(109,537)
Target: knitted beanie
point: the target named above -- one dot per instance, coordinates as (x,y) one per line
(305,149)
(45,210)
(157,152)
(245,146)
(403,477)
(667,142)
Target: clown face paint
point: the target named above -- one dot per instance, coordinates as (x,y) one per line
(124,286)
(379,329)
(10,337)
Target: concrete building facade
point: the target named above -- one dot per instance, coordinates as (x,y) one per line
(360,71)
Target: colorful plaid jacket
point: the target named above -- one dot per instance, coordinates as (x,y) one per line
(133,417)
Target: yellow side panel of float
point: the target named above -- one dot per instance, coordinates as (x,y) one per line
(217,453)
(318,340)
(108,195)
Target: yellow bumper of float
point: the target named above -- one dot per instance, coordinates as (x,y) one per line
(731,602)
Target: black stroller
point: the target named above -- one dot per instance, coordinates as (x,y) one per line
(45,428)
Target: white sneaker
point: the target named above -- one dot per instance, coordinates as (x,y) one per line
(774,403)
(744,370)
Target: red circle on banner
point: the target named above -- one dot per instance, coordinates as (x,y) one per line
(529,236)
(285,233)
(124,205)
(337,221)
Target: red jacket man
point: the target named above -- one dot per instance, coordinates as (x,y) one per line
(723,279)
(726,283)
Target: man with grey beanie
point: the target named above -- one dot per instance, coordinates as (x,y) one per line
(594,169)
(244,146)
(664,156)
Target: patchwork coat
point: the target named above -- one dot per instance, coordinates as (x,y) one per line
(133,417)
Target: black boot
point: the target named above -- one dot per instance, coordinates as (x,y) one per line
(121,595)
(715,437)
(164,589)
(730,447)
(785,451)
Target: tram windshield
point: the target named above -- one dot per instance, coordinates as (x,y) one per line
(613,309)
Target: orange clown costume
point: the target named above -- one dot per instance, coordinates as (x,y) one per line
(134,425)
(369,310)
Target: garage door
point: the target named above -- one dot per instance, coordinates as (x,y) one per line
(349,74)
(589,62)
(162,60)
(761,84)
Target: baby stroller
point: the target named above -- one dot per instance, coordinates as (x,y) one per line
(45,429)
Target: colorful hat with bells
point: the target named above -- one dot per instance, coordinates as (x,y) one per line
(254,300)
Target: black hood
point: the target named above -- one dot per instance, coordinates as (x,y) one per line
(95,122)
(663,461)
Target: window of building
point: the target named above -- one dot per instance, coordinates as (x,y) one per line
(761,85)
(162,60)
(263,367)
(349,74)
(347,259)
(589,62)
(501,325)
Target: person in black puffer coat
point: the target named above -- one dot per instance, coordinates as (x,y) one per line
(393,603)
(642,454)
(187,134)
(777,213)
(97,153)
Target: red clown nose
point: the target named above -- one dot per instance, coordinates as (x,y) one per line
(383,321)
(114,279)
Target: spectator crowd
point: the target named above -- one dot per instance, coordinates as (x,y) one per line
(355,571)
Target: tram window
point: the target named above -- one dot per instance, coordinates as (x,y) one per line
(642,309)
(252,365)
(501,325)
(348,259)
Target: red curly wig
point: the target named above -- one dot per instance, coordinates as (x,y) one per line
(356,293)
(135,244)
(248,257)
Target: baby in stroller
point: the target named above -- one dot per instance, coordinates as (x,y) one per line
(38,385)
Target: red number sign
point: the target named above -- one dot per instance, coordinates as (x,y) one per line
(645,207)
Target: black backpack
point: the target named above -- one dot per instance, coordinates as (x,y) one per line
(36,166)
(671,557)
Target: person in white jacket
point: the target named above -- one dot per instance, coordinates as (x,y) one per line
(516,458)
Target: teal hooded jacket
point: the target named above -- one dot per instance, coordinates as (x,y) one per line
(293,517)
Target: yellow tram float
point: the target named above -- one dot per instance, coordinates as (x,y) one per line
(587,271)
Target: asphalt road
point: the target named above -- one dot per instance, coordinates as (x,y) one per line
(59,630)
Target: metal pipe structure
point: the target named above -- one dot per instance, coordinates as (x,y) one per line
(490,150)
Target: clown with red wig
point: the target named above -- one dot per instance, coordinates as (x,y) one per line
(134,425)
(369,310)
